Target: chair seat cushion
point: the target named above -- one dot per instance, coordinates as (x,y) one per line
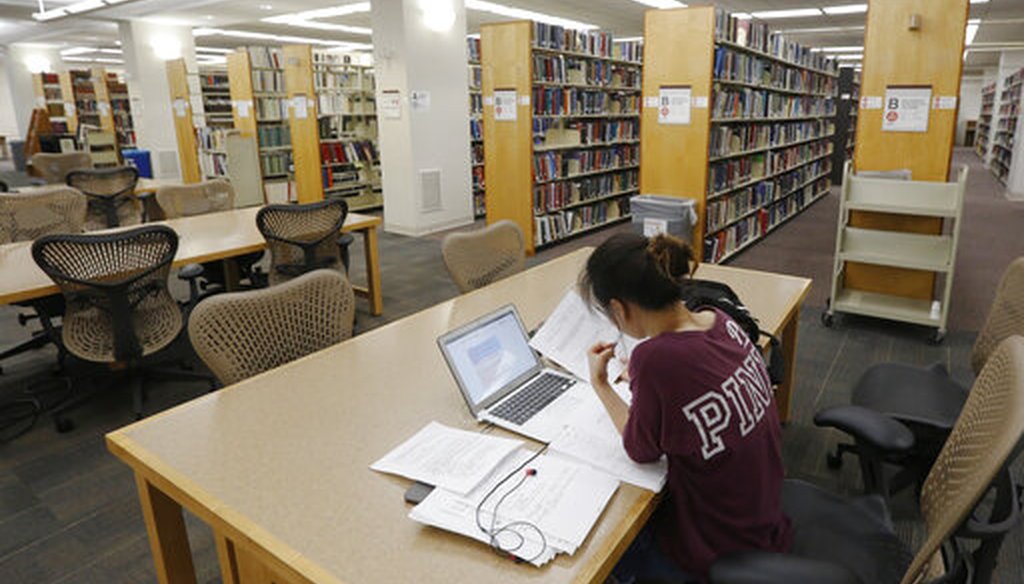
(854,533)
(88,332)
(913,394)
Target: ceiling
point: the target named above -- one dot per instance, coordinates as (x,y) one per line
(1002,21)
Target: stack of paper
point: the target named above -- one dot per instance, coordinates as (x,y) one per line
(562,501)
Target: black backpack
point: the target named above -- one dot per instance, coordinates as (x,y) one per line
(706,293)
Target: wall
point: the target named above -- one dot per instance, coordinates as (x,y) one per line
(970,106)
(8,119)
(19,80)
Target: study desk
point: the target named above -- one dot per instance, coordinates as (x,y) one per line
(278,465)
(201,238)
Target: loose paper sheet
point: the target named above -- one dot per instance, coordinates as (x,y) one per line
(505,105)
(456,460)
(674,106)
(906,109)
(391,104)
(179,107)
(242,107)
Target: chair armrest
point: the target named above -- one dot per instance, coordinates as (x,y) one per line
(867,426)
(190,272)
(1004,515)
(346,239)
(769,568)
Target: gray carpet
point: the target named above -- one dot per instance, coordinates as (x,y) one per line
(68,509)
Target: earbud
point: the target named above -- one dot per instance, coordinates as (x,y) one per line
(531,472)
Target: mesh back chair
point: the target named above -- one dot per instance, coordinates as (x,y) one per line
(844,541)
(54,168)
(30,214)
(110,193)
(302,238)
(240,334)
(477,258)
(119,308)
(901,415)
(199,199)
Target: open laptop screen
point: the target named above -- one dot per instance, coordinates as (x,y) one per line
(489,354)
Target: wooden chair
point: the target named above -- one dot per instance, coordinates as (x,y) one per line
(477,258)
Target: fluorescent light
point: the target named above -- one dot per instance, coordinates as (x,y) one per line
(84,5)
(165,47)
(313,24)
(846,9)
(972,31)
(979,1)
(332,12)
(113,61)
(110,51)
(638,39)
(217,50)
(438,15)
(741,15)
(790,13)
(77,51)
(848,57)
(837,50)
(246,34)
(77,59)
(502,10)
(661,3)
(50,14)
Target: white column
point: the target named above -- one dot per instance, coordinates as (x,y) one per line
(419,49)
(146,47)
(21,62)
(1009,63)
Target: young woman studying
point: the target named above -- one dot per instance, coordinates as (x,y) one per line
(701,397)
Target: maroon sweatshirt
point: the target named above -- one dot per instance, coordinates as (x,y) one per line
(704,399)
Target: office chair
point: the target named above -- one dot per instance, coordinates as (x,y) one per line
(120,313)
(110,193)
(27,215)
(199,199)
(901,415)
(3,187)
(240,334)
(853,542)
(54,168)
(302,238)
(477,258)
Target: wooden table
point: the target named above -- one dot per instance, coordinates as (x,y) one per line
(202,238)
(278,465)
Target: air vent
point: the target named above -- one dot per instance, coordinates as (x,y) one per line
(430,189)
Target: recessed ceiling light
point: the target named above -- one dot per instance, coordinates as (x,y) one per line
(246,34)
(266,6)
(661,3)
(972,31)
(305,23)
(330,12)
(846,9)
(77,51)
(790,13)
(848,57)
(502,10)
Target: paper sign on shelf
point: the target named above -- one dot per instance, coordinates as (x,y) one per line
(944,102)
(651,101)
(419,101)
(299,109)
(505,105)
(870,102)
(906,109)
(69,108)
(700,102)
(104,108)
(524,99)
(40,101)
(488,100)
(674,105)
(179,107)
(242,107)
(654,227)
(391,104)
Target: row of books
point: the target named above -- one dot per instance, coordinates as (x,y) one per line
(552,227)
(266,57)
(732,65)
(628,51)
(575,71)
(476,130)
(217,105)
(476,77)
(561,164)
(786,183)
(477,176)
(723,210)
(267,81)
(741,103)
(791,205)
(476,104)
(324,80)
(346,178)
(271,109)
(754,34)
(335,153)
(342,104)
(550,101)
(726,174)
(727,139)
(550,197)
(590,131)
(779,160)
(214,81)
(275,163)
(273,135)
(473,49)
(476,153)
(326,59)
(549,36)
(50,78)
(212,139)
(726,241)
(340,127)
(213,163)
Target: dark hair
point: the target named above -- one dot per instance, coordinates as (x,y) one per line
(649,272)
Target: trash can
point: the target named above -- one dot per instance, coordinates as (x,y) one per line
(18,154)
(654,214)
(140,160)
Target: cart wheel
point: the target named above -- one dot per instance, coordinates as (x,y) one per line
(827,319)
(937,337)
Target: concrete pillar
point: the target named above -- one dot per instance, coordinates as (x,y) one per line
(419,50)
(21,61)
(147,46)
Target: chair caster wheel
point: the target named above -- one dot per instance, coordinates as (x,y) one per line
(834,461)
(937,338)
(63,425)
(827,320)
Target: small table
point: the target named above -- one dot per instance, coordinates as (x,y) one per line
(201,238)
(278,464)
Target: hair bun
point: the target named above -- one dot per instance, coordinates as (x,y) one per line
(671,256)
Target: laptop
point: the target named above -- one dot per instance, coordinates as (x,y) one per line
(504,382)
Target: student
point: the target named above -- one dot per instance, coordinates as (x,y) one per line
(702,398)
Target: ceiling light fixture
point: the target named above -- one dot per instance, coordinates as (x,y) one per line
(247,34)
(315,25)
(502,10)
(789,13)
(849,57)
(77,8)
(661,3)
(332,12)
(438,15)
(217,50)
(77,51)
(845,9)
(37,64)
(972,31)
(741,15)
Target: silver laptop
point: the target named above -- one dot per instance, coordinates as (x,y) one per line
(503,380)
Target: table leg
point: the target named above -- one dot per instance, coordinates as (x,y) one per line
(228,560)
(168,538)
(373,271)
(231,274)
(784,392)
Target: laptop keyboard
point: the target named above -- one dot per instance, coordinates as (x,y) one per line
(532,398)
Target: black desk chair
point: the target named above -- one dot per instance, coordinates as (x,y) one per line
(839,541)
(303,238)
(120,313)
(111,196)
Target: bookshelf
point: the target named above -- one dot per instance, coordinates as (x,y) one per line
(92,102)
(758,146)
(568,160)
(845,136)
(256,82)
(50,97)
(121,111)
(216,123)
(1005,129)
(67,91)
(476,131)
(183,115)
(988,104)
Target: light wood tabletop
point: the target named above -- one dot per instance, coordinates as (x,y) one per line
(201,238)
(278,465)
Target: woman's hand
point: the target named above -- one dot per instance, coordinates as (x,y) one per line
(598,357)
